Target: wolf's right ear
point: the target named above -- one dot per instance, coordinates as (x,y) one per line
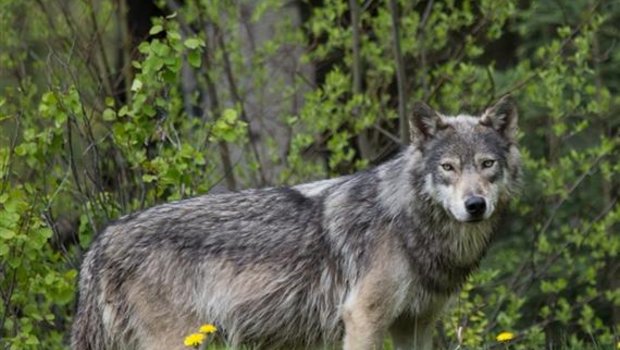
(424,123)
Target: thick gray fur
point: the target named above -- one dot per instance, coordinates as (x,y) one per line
(339,262)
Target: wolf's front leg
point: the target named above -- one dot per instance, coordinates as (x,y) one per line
(364,328)
(412,333)
(369,310)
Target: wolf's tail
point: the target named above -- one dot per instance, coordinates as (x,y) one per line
(88,331)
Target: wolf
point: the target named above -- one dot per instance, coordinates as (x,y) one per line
(341,262)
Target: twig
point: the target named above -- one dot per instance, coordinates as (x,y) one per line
(388,134)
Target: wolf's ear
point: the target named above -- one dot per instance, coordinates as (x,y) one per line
(502,117)
(424,123)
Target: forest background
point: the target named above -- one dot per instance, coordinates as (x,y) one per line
(111,106)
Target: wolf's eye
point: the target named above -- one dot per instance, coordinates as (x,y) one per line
(488,163)
(447,167)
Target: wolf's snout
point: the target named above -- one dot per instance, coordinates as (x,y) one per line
(475,206)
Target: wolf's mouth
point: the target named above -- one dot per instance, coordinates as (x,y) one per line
(474,220)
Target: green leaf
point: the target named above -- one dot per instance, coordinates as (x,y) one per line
(109,115)
(148,178)
(168,76)
(174,35)
(123,111)
(194,43)
(156,29)
(6,234)
(136,85)
(193,57)
(32,340)
(50,278)
(4,249)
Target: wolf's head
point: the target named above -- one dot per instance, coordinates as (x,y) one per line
(471,164)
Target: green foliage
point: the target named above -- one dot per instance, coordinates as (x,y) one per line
(97,123)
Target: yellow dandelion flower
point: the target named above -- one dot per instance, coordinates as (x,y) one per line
(194,339)
(505,336)
(207,328)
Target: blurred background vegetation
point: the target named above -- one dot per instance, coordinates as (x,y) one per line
(111,106)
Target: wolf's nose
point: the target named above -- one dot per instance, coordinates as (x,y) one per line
(475,206)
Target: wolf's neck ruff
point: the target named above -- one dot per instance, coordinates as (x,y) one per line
(441,250)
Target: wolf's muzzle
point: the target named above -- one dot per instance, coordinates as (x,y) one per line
(476,206)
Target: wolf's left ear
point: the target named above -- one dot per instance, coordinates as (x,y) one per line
(424,123)
(502,117)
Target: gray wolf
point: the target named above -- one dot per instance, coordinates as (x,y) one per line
(341,262)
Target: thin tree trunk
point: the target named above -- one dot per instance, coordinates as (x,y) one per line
(362,138)
(400,73)
(126,40)
(105,69)
(224,151)
(239,101)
